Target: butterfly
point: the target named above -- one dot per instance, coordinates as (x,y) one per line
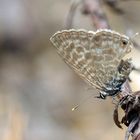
(97,57)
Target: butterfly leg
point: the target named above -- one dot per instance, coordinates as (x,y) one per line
(101,96)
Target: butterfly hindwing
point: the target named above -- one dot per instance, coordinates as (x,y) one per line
(94,56)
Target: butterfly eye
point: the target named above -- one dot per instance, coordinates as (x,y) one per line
(125,42)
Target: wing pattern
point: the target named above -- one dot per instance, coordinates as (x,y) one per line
(94,56)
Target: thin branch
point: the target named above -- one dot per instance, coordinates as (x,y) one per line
(136,133)
(71,13)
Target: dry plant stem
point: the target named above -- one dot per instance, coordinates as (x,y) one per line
(137,133)
(71,13)
(131,107)
(94,9)
(137,138)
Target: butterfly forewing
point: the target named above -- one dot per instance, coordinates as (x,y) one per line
(94,56)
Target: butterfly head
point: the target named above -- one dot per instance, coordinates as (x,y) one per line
(102,95)
(126,42)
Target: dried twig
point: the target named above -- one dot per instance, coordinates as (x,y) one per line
(71,13)
(131,105)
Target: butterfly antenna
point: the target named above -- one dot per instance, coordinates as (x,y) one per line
(82,102)
(74,108)
(136,34)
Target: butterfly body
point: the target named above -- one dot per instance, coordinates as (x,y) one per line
(115,86)
(96,57)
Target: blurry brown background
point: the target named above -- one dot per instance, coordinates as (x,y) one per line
(37,89)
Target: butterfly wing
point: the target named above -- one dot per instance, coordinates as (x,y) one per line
(94,56)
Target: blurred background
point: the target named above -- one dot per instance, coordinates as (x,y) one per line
(37,89)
